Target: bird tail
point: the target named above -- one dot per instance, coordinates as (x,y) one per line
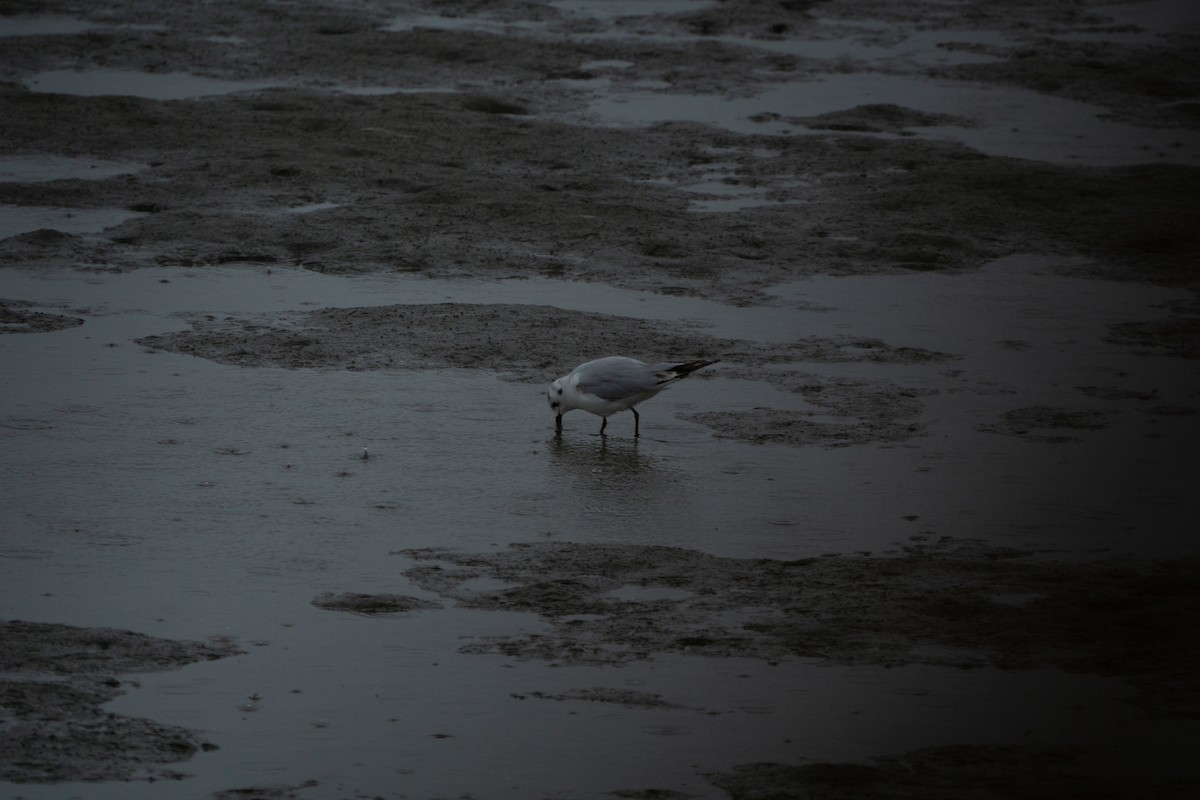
(678,371)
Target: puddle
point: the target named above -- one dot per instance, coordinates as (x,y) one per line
(15,220)
(154,86)
(1012,299)
(727,192)
(724,193)
(31,25)
(738,199)
(882,42)
(40,168)
(180,85)
(1011,122)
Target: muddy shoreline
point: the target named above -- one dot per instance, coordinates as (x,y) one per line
(453,142)
(54,729)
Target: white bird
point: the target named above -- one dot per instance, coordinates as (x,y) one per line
(608,385)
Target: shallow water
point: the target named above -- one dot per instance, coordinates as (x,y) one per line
(16,220)
(1023,337)
(1010,122)
(151,85)
(39,168)
(187,499)
(38,25)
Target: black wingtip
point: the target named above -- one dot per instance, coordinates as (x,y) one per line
(692,366)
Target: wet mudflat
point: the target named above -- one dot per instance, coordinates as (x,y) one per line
(284,511)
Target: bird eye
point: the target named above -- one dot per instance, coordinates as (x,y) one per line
(560,391)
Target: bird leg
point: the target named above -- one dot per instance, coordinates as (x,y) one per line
(636,421)
(603,425)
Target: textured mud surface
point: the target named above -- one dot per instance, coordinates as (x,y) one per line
(53,727)
(948,603)
(443,200)
(487,181)
(467,140)
(371,604)
(527,341)
(942,773)
(15,317)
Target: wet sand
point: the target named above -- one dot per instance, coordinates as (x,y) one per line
(285,514)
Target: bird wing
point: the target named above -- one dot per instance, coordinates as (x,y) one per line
(617,378)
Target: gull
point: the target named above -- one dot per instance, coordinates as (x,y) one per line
(616,383)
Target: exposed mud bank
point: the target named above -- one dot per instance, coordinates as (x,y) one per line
(485,179)
(54,728)
(371,604)
(446,199)
(1029,423)
(949,603)
(1176,337)
(987,772)
(520,339)
(15,317)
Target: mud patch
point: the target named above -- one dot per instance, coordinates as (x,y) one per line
(67,650)
(530,341)
(1179,337)
(1028,423)
(650,794)
(850,412)
(951,603)
(264,792)
(15,317)
(797,428)
(601,694)
(372,604)
(56,731)
(987,772)
(508,338)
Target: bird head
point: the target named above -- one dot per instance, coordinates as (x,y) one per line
(554,396)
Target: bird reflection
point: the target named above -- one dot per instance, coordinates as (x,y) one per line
(608,484)
(598,454)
